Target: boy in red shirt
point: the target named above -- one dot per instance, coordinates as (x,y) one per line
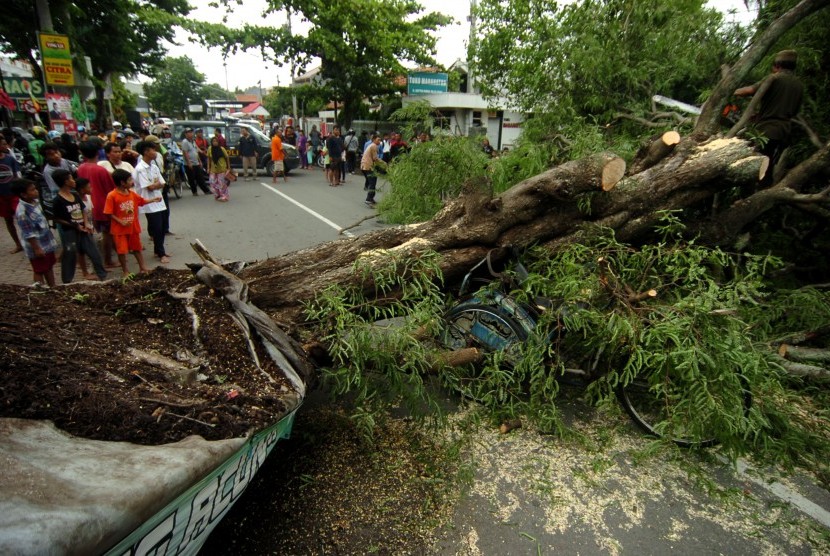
(101,184)
(125,227)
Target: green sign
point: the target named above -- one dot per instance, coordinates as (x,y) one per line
(183,526)
(18,87)
(421,83)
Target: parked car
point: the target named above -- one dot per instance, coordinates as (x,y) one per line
(232,131)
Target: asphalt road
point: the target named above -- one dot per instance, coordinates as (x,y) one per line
(264,219)
(533,494)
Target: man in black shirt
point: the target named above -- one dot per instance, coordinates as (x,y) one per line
(247,150)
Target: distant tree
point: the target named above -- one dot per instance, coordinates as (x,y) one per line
(279,101)
(212,91)
(122,100)
(120,38)
(361,44)
(176,85)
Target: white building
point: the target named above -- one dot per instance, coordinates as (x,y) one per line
(468,113)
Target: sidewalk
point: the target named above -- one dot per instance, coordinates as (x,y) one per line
(14,268)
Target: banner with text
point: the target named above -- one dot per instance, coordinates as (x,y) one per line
(57,59)
(421,83)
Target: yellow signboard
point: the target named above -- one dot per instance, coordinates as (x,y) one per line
(57,59)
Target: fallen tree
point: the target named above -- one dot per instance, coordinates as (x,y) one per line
(548,209)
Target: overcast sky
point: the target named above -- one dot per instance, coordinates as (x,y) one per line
(247,69)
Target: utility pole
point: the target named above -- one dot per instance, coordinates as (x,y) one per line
(472,18)
(227,87)
(293,75)
(44,15)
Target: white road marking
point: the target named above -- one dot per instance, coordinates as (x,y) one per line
(785,493)
(316,215)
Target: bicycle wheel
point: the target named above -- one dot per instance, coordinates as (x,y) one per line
(485,327)
(170,179)
(181,180)
(657,409)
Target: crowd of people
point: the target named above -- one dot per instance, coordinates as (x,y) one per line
(341,155)
(94,189)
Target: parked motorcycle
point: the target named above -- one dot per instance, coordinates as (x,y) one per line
(175,174)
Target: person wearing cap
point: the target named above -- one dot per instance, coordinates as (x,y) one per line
(36,143)
(149,183)
(116,130)
(781,96)
(193,164)
(159,163)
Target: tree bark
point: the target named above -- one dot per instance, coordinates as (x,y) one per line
(548,209)
(654,152)
(709,120)
(735,218)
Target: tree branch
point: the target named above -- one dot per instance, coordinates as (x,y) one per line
(708,122)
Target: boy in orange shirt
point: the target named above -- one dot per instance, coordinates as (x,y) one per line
(125,227)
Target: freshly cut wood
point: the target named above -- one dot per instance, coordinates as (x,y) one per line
(654,152)
(648,294)
(804,354)
(457,358)
(510,425)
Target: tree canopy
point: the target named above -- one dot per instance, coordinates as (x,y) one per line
(361,45)
(598,56)
(120,38)
(176,85)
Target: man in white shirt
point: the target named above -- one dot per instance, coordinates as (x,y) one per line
(148,184)
(113,161)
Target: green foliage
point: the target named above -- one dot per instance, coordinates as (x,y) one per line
(422,181)
(360,47)
(122,100)
(414,117)
(430,173)
(175,85)
(279,100)
(688,336)
(381,363)
(596,56)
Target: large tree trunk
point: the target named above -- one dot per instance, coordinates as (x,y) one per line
(548,209)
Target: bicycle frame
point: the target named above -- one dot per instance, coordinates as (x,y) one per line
(495,321)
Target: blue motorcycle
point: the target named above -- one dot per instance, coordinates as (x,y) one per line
(175,174)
